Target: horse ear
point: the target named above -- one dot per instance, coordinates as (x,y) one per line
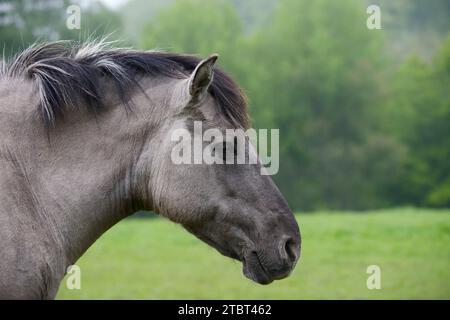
(202,77)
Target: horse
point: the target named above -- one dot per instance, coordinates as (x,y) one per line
(85,142)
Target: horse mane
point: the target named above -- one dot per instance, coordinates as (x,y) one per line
(65,72)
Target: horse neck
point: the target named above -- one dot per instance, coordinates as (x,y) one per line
(83,173)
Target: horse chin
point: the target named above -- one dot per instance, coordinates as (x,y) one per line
(254,270)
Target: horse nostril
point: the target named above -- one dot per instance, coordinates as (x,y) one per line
(290,249)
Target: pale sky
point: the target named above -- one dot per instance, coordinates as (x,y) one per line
(113,4)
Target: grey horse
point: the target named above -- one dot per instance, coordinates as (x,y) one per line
(85,142)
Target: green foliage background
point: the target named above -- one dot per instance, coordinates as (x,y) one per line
(363,114)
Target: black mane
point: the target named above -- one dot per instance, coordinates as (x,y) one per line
(65,72)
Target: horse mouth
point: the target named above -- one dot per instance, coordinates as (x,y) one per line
(254,270)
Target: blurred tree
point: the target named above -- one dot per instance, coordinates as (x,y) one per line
(316,76)
(195,26)
(252,13)
(97,21)
(414,26)
(23,22)
(420,117)
(137,13)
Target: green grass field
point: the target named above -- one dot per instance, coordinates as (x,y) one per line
(156,259)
